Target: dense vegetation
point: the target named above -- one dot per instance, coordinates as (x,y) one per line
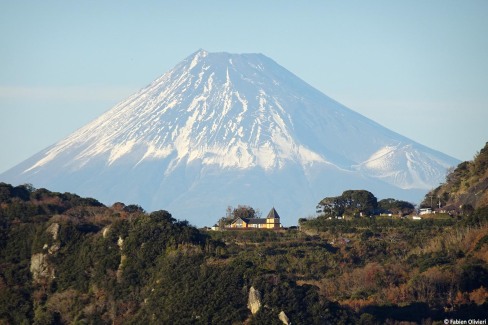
(66,259)
(407,269)
(71,260)
(355,203)
(466,187)
(98,264)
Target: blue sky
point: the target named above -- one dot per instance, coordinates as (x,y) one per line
(419,68)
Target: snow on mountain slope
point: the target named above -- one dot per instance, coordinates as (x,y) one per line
(404,166)
(224,129)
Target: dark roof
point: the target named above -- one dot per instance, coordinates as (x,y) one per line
(255,220)
(252,220)
(272,214)
(259,221)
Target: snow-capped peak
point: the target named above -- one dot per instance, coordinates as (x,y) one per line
(221,129)
(206,108)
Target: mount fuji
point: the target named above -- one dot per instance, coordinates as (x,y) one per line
(223,129)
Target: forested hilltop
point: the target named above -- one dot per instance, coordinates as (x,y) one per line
(466,186)
(68,260)
(65,259)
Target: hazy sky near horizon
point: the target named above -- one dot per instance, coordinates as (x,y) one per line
(417,67)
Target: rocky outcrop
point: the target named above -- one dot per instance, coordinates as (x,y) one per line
(283,318)
(254,300)
(53,229)
(120,243)
(105,231)
(120,269)
(54,249)
(41,271)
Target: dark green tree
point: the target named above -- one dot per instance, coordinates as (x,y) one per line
(351,202)
(244,211)
(395,206)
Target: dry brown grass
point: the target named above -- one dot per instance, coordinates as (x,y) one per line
(464,239)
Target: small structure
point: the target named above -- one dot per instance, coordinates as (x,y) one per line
(272,221)
(451,210)
(425,211)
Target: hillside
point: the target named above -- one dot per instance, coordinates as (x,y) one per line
(65,259)
(465,188)
(71,260)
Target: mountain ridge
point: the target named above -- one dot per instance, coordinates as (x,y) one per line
(219,120)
